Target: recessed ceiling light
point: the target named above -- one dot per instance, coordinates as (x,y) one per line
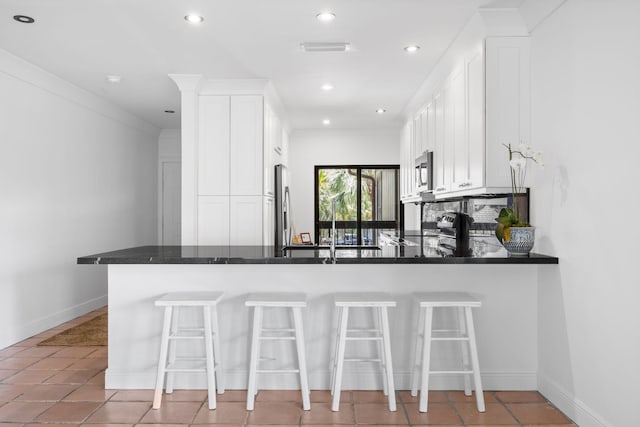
(24,19)
(412,48)
(326,16)
(326,122)
(327,87)
(114,78)
(381,111)
(194,19)
(169,111)
(325,46)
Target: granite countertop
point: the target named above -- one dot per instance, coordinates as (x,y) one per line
(424,251)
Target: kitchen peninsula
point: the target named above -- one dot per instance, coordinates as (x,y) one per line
(506,324)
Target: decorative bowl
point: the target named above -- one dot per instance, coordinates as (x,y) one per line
(521,242)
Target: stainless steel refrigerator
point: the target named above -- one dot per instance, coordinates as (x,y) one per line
(283,208)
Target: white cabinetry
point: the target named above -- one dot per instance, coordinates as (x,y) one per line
(213,220)
(246,121)
(269,222)
(245,225)
(482,104)
(213,146)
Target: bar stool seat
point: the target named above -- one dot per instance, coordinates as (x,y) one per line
(289,300)
(172,332)
(379,302)
(462,302)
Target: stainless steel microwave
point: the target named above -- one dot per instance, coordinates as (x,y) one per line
(424,171)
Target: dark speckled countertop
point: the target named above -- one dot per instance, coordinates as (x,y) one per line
(422,252)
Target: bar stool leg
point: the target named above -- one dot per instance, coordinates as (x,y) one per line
(381,352)
(474,360)
(208,346)
(175,320)
(464,350)
(426,359)
(302,358)
(162,361)
(415,375)
(334,362)
(217,350)
(387,356)
(255,356)
(337,384)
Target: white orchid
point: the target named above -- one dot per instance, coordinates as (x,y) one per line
(518,162)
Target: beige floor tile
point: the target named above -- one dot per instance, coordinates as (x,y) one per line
(39,351)
(29,377)
(74,352)
(99,352)
(10,351)
(438,413)
(321,413)
(106,425)
(172,413)
(217,425)
(97,379)
(10,391)
(12,424)
(6,373)
(71,377)
(275,413)
(459,396)
(74,412)
(163,425)
(49,425)
(278,396)
(225,413)
(537,413)
(52,363)
(22,412)
(18,362)
(120,412)
(325,396)
(520,397)
(90,393)
(232,396)
(28,342)
(366,396)
(495,413)
(133,396)
(378,413)
(98,363)
(189,396)
(44,392)
(434,396)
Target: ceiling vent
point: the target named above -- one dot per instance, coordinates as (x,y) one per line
(324,46)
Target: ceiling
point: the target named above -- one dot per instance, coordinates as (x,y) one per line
(145,40)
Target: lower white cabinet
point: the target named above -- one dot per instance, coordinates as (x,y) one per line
(245,222)
(268,215)
(213,220)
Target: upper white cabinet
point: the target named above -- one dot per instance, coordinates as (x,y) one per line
(213,146)
(246,145)
(483,103)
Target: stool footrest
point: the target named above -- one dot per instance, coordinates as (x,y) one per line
(363,338)
(278,371)
(355,359)
(277,338)
(450,372)
(449,338)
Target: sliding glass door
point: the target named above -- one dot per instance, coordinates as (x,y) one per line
(366,201)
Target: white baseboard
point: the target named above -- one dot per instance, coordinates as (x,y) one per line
(319,380)
(572,407)
(42,324)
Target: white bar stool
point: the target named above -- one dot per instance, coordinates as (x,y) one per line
(172,332)
(379,302)
(462,302)
(260,301)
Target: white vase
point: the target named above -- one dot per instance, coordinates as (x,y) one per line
(521,242)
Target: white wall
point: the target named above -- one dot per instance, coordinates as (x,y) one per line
(308,148)
(586,118)
(77,176)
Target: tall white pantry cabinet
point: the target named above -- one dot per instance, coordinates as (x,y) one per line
(233,140)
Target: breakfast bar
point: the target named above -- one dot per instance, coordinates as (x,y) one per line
(506,324)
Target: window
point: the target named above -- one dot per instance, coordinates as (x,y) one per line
(366,202)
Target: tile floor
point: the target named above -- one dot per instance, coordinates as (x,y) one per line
(64,386)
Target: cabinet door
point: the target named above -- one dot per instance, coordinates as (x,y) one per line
(439,152)
(417,136)
(460,178)
(213,146)
(246,140)
(245,226)
(268,160)
(424,130)
(431,127)
(213,220)
(475,118)
(268,228)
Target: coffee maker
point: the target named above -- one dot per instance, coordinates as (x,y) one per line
(454,233)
